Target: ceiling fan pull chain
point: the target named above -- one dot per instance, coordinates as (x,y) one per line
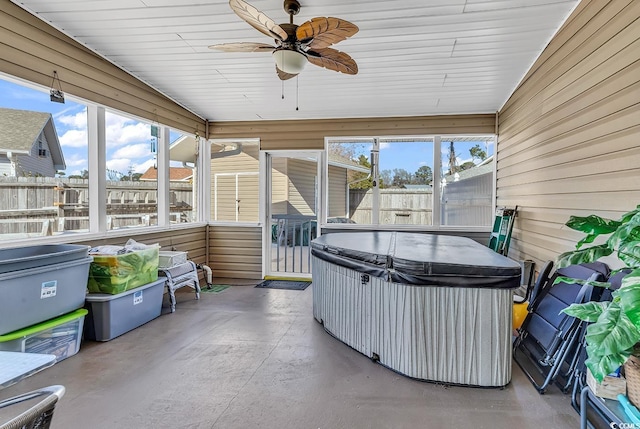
(297,92)
(282,81)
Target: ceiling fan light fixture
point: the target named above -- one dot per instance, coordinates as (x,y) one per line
(289,61)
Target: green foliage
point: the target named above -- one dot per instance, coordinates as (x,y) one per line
(615,325)
(477,152)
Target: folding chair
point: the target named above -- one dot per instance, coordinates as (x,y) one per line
(37,416)
(547,336)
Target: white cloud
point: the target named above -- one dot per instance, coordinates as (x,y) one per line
(385,145)
(76,160)
(141,150)
(119,164)
(77,121)
(74,138)
(141,168)
(122,131)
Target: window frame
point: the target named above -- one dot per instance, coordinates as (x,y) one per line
(437,178)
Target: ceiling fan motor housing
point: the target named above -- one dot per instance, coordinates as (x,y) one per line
(292,7)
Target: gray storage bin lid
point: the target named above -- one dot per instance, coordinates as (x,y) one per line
(419,259)
(22,258)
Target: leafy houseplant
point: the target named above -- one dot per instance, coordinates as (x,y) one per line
(615,324)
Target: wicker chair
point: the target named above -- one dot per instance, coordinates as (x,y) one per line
(37,416)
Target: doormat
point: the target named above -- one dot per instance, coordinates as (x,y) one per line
(283,284)
(214,288)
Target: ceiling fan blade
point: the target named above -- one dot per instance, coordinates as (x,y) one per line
(321,32)
(258,20)
(243,47)
(283,75)
(333,59)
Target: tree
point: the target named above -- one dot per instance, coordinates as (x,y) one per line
(400,178)
(423,176)
(477,152)
(453,159)
(467,165)
(359,179)
(385,178)
(84,174)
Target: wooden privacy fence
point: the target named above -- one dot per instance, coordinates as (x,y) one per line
(397,206)
(48,205)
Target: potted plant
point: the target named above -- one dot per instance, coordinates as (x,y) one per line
(615,325)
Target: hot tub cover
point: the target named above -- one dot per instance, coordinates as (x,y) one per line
(419,259)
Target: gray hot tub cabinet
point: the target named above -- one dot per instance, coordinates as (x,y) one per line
(432,307)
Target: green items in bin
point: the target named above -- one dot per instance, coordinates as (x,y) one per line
(115,274)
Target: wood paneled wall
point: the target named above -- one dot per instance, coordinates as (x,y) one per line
(31,50)
(310,134)
(569,136)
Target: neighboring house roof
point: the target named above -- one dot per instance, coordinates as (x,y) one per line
(484,167)
(340,161)
(19,130)
(176,174)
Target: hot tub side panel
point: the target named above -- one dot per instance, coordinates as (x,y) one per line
(444,334)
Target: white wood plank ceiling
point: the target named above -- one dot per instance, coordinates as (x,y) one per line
(415,57)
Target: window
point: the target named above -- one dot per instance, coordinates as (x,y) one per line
(390,181)
(183,174)
(132,172)
(466,195)
(42,187)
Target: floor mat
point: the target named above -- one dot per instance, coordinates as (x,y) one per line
(284,284)
(214,288)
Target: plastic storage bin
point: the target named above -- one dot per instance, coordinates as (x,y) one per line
(33,295)
(115,274)
(60,336)
(113,315)
(22,258)
(170,259)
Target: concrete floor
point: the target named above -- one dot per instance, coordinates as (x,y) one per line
(256,358)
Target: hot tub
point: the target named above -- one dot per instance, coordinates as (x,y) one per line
(432,307)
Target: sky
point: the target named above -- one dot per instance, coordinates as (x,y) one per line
(410,156)
(129,141)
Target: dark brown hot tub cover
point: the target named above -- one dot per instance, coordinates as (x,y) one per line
(419,259)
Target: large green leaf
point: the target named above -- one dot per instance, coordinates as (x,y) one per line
(613,332)
(592,224)
(629,253)
(589,254)
(601,365)
(627,216)
(627,232)
(589,311)
(608,341)
(629,296)
(572,281)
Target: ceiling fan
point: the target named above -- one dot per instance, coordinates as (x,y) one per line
(296,45)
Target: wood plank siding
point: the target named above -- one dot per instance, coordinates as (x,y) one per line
(310,134)
(31,50)
(569,136)
(236,251)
